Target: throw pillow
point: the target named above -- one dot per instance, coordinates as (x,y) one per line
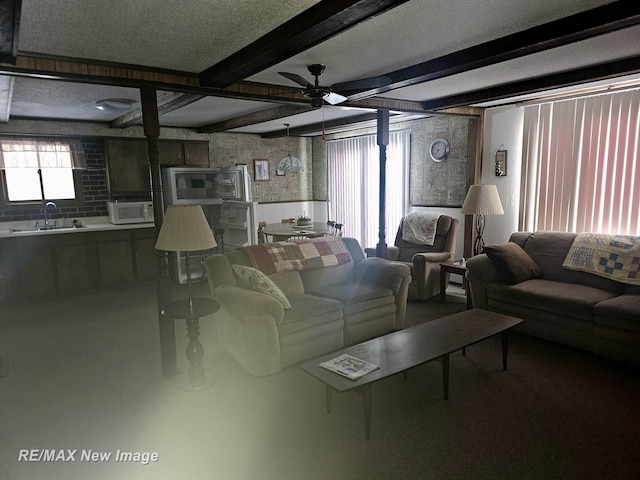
(513,263)
(258,281)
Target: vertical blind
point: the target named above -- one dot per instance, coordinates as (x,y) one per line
(580,165)
(354,182)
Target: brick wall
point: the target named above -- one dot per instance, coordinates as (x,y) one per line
(95,191)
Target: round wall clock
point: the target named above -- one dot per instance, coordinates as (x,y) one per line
(439,150)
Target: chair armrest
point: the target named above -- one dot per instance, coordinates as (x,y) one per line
(242,302)
(431,257)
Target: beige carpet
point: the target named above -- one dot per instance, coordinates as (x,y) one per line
(85,375)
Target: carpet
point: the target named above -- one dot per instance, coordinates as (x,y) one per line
(85,375)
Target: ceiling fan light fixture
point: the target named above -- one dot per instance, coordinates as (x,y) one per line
(115,105)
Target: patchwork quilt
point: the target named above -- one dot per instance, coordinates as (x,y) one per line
(612,256)
(299,254)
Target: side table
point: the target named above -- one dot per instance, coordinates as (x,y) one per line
(452,267)
(197,378)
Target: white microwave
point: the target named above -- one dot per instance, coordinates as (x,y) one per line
(130,212)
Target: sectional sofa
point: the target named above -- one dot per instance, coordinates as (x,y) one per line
(532,277)
(303,298)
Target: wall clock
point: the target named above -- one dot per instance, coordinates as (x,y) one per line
(439,150)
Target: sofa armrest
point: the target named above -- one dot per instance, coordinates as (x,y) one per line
(394,275)
(480,272)
(243,302)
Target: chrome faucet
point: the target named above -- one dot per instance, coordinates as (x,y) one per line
(45,209)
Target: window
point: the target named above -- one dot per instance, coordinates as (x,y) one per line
(37,170)
(354,183)
(580,165)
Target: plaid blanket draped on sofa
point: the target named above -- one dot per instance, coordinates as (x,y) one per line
(299,254)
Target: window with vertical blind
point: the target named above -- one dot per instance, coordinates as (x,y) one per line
(580,165)
(354,182)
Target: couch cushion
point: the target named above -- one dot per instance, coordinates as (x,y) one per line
(622,311)
(549,249)
(309,311)
(320,277)
(258,281)
(289,282)
(572,300)
(513,263)
(354,292)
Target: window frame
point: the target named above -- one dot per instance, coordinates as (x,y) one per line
(78,185)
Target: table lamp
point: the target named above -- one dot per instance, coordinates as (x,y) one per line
(481,200)
(185,229)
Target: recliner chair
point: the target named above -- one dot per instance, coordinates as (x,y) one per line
(424,260)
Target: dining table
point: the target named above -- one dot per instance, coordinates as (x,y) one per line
(280,232)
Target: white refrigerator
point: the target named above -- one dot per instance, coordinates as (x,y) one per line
(225,196)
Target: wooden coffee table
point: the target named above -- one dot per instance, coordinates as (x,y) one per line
(399,351)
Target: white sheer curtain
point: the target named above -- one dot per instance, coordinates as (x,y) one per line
(580,165)
(354,181)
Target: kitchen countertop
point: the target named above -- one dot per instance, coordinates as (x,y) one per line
(91,224)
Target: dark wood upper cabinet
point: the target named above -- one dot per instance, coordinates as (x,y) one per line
(128,166)
(128,161)
(184,153)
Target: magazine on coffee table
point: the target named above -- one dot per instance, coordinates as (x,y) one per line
(349,366)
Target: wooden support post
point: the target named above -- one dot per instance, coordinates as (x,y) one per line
(383,141)
(164,288)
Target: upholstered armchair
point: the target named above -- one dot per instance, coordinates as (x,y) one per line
(424,259)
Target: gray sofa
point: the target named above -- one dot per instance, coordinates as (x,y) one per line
(332,307)
(575,308)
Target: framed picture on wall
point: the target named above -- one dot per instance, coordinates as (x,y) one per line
(261,170)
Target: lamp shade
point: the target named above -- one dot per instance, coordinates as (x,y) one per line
(185,229)
(482,200)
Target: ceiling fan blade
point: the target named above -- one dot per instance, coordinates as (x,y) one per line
(334,98)
(362,84)
(294,77)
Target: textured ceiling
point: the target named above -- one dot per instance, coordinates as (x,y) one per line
(190,37)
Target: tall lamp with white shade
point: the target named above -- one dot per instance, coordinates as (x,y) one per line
(481,200)
(185,229)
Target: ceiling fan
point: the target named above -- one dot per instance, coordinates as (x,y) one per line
(333,94)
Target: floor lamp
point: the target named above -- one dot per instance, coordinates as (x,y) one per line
(481,200)
(185,229)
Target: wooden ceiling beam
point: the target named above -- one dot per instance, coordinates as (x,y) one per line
(9,29)
(320,126)
(581,26)
(311,27)
(167,102)
(254,118)
(605,71)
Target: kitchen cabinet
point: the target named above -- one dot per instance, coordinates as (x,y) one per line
(115,257)
(184,153)
(34,267)
(128,166)
(145,253)
(70,263)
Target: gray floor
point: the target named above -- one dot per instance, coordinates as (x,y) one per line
(84,374)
